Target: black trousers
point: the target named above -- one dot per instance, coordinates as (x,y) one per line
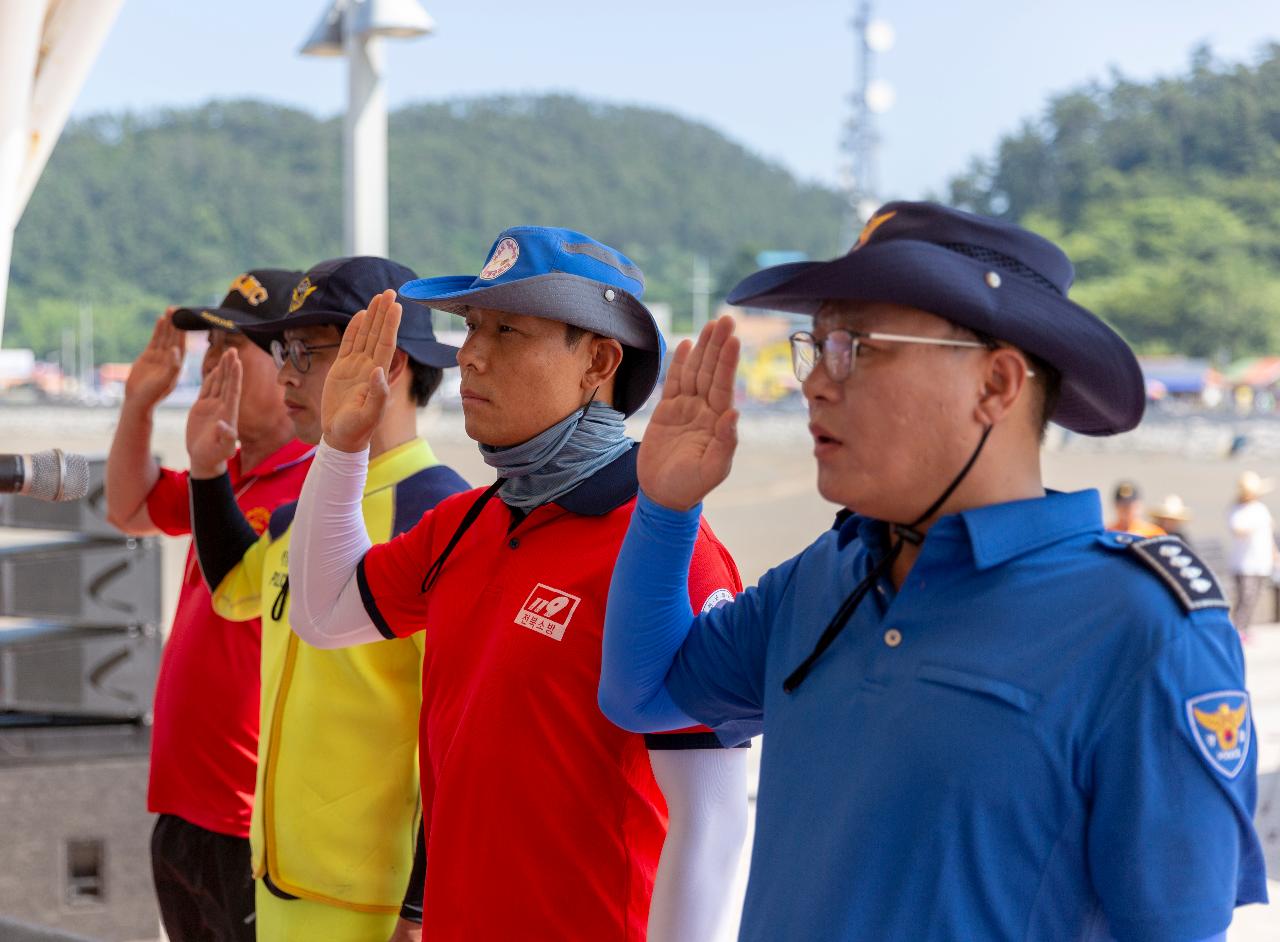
(204,883)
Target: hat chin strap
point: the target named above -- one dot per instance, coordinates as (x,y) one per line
(903,534)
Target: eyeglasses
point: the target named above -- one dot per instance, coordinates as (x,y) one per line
(839,349)
(299,353)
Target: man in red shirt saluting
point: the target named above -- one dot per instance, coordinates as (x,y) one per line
(204,744)
(543,821)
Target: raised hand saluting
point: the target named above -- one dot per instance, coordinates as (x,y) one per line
(155,372)
(356,390)
(212,421)
(689,444)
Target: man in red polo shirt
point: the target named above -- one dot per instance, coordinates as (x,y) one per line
(204,743)
(543,821)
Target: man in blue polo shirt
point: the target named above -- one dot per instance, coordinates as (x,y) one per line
(985,717)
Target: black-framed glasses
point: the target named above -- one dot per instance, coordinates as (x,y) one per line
(297,353)
(839,349)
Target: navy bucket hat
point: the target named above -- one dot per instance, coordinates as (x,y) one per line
(990,276)
(564,276)
(334,291)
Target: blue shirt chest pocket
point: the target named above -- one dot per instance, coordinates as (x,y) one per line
(978,685)
(981,735)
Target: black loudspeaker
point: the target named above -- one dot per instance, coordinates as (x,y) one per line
(83,581)
(79,616)
(51,670)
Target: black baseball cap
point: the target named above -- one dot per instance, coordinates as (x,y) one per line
(1126,492)
(335,290)
(258,296)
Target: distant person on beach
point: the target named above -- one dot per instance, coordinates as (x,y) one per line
(1253,547)
(1172,516)
(1127,501)
(204,744)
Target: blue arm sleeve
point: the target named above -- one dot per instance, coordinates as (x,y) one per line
(662,666)
(648,618)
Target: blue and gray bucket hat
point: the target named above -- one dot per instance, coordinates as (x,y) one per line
(564,276)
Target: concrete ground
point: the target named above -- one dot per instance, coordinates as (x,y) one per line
(768,511)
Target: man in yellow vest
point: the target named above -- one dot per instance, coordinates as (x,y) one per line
(336,813)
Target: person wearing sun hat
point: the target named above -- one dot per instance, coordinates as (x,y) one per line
(543,820)
(986,717)
(1253,547)
(335,822)
(1172,516)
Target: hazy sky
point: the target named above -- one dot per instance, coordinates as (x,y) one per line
(774,76)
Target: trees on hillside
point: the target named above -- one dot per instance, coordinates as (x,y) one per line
(134,213)
(1165,195)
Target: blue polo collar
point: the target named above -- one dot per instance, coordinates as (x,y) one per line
(606,490)
(998,533)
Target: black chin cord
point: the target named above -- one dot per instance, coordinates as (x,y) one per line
(903,535)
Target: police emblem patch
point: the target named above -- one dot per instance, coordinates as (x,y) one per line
(874,223)
(716,599)
(504,256)
(301,293)
(1221,726)
(258,518)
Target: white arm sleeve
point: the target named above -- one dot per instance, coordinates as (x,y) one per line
(706,792)
(328,541)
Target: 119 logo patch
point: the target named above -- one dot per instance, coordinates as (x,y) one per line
(547,611)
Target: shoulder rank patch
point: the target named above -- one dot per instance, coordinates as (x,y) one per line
(1191,580)
(1220,725)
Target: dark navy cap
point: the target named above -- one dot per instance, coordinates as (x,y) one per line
(564,276)
(984,274)
(1126,492)
(336,290)
(256,297)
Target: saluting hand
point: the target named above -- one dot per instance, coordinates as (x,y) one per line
(155,372)
(688,447)
(356,390)
(213,419)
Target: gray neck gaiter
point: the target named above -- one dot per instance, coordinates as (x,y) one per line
(557,460)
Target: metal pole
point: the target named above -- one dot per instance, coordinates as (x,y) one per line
(364,144)
(87,382)
(68,360)
(860,140)
(701,285)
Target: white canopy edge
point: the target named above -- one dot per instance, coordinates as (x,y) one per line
(47,48)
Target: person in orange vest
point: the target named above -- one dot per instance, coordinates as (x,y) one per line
(1128,518)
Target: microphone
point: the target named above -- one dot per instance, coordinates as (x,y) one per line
(47,475)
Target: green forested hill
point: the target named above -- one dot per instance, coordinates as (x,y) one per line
(134,213)
(1167,197)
